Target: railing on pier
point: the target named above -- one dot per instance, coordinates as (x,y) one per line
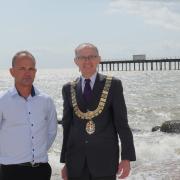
(140,65)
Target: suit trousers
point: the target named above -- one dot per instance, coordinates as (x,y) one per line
(86,175)
(11,172)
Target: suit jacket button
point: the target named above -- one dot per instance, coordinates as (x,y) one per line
(86,141)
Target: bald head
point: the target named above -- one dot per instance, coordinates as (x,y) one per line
(85,45)
(22,54)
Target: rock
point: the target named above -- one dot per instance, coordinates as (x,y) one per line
(156,128)
(172,126)
(59,122)
(135,130)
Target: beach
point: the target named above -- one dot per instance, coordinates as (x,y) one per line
(151,98)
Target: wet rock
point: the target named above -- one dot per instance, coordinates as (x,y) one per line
(59,122)
(156,128)
(172,126)
(136,130)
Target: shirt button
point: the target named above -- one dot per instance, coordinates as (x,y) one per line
(32,124)
(32,137)
(29,112)
(86,141)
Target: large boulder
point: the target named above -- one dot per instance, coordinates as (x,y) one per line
(172,126)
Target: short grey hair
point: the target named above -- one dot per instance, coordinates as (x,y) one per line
(80,46)
(26,53)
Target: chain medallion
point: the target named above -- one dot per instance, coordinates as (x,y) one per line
(89,115)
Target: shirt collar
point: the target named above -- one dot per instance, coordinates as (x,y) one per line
(34,91)
(92,78)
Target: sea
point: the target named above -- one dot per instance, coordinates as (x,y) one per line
(152,97)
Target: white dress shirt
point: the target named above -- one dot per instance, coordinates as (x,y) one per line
(27,127)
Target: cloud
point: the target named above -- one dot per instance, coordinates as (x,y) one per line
(164,13)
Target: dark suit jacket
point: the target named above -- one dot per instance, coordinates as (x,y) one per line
(100,149)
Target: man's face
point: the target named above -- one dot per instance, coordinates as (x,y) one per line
(23,71)
(87,59)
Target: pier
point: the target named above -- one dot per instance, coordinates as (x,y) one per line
(140,65)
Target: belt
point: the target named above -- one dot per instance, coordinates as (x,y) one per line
(28,164)
(31,164)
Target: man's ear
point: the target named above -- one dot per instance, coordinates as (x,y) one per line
(99,59)
(75,61)
(11,70)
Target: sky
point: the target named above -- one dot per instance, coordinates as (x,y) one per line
(51,30)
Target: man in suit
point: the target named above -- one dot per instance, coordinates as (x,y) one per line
(94,118)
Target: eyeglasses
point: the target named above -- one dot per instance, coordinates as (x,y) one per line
(84,58)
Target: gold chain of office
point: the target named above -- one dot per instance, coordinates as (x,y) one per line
(89,115)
